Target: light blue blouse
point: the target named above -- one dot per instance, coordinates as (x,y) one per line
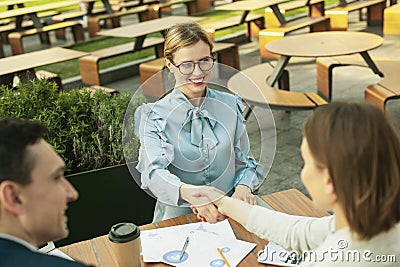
(184,144)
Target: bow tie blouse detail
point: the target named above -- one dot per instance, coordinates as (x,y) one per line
(200,123)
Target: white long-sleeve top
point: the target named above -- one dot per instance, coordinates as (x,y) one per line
(323,246)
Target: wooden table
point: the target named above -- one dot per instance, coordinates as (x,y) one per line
(140,30)
(106,4)
(323,44)
(97,251)
(11,3)
(32,11)
(248,5)
(23,65)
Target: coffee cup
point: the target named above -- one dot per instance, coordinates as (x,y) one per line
(125,242)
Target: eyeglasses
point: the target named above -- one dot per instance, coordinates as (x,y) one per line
(188,67)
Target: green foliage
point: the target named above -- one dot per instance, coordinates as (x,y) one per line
(86,130)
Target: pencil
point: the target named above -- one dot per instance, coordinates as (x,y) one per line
(223,257)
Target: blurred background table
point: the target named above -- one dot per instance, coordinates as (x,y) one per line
(323,44)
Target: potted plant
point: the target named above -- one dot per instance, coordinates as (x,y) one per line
(85,128)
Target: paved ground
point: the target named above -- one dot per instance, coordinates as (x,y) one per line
(349,84)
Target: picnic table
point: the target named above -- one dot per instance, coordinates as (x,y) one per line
(142,29)
(23,65)
(11,3)
(106,4)
(89,65)
(32,11)
(250,5)
(323,44)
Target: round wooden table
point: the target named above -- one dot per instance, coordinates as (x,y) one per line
(323,44)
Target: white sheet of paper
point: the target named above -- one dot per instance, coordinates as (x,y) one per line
(165,245)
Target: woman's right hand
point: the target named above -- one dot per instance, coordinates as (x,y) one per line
(201,205)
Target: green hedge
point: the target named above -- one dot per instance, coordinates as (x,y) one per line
(86,130)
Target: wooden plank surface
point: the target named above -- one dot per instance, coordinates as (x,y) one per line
(14,2)
(36,59)
(83,252)
(248,5)
(34,9)
(252,86)
(292,201)
(98,251)
(325,44)
(147,27)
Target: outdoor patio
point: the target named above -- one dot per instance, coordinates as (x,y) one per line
(349,85)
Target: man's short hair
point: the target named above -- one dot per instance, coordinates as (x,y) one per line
(15,135)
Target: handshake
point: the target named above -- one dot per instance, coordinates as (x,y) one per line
(212,205)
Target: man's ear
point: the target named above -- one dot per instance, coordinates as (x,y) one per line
(10,197)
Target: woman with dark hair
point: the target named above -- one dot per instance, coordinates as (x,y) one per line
(351,166)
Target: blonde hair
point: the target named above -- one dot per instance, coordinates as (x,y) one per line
(183,35)
(361,150)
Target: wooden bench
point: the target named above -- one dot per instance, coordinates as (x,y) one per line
(391,20)
(227,54)
(89,65)
(325,66)
(8,25)
(15,38)
(121,5)
(94,88)
(314,8)
(251,84)
(204,5)
(94,22)
(5,30)
(316,24)
(254,23)
(51,77)
(386,89)
(40,75)
(73,15)
(340,19)
(40,15)
(155,10)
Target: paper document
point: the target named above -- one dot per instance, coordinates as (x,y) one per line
(165,245)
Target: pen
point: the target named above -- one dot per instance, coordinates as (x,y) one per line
(223,258)
(184,248)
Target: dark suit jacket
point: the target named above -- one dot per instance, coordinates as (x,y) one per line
(13,254)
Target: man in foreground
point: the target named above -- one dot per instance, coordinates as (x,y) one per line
(34,195)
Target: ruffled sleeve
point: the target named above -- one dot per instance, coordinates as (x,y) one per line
(248,171)
(155,155)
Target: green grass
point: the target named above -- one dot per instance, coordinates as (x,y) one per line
(70,68)
(43,2)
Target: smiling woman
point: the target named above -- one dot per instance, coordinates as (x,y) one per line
(195,136)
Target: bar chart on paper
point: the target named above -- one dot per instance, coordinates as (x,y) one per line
(197,241)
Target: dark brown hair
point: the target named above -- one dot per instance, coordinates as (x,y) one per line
(361,150)
(15,135)
(183,35)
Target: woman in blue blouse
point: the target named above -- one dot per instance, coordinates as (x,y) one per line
(195,136)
